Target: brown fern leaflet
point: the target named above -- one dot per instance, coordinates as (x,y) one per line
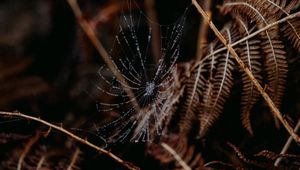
(211,79)
(187,152)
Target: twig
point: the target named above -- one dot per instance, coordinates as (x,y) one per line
(101,50)
(75,137)
(210,164)
(248,72)
(287,145)
(28,145)
(203,28)
(40,163)
(74,159)
(176,156)
(155,31)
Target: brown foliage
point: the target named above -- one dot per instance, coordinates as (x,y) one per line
(180,115)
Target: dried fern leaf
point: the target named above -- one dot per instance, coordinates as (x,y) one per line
(183,149)
(220,88)
(291,29)
(249,51)
(276,67)
(259,13)
(220,92)
(273,156)
(248,161)
(194,89)
(292,33)
(222,165)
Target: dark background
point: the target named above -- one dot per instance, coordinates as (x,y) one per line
(48,68)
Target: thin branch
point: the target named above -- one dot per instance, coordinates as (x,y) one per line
(73,136)
(40,163)
(287,145)
(176,156)
(27,148)
(267,98)
(210,164)
(101,50)
(203,29)
(74,159)
(155,32)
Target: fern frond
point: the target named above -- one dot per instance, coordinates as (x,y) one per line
(248,161)
(217,92)
(183,149)
(276,67)
(275,59)
(273,156)
(194,89)
(251,56)
(292,33)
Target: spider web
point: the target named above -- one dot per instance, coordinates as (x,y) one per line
(151,80)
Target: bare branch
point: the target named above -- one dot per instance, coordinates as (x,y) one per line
(74,159)
(203,28)
(155,33)
(99,47)
(40,163)
(73,136)
(287,145)
(28,145)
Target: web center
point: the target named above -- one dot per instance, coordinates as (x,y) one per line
(149,90)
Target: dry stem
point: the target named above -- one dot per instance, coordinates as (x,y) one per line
(155,32)
(176,156)
(267,98)
(101,50)
(28,145)
(74,158)
(287,145)
(40,163)
(73,136)
(203,29)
